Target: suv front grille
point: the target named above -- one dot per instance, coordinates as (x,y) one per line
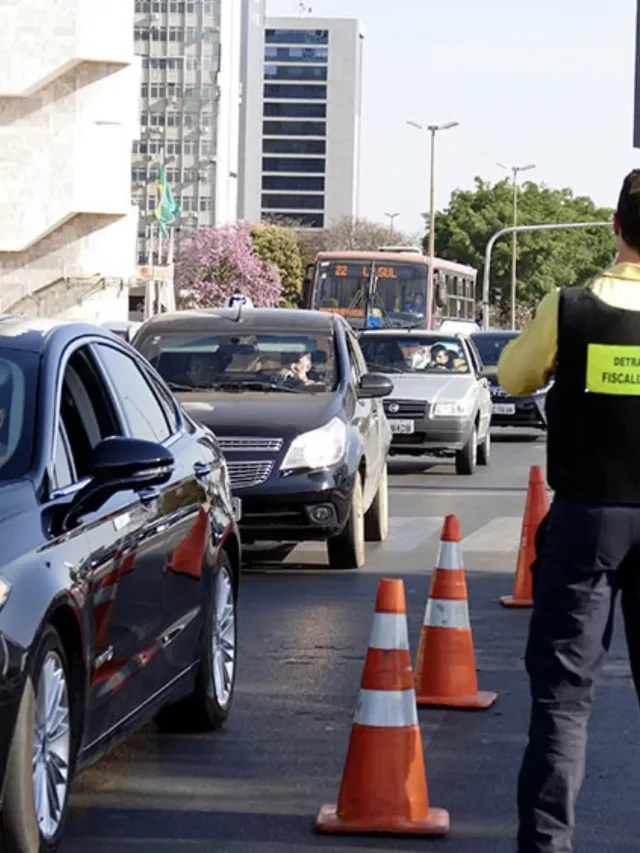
(415,409)
(245,474)
(250,444)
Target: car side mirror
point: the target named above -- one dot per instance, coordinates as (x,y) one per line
(118,464)
(374,385)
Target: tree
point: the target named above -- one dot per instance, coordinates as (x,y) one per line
(544,260)
(279,246)
(346,234)
(213,263)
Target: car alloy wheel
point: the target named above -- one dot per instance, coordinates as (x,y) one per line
(223,637)
(51,745)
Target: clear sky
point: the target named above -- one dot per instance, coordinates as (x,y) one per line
(549,82)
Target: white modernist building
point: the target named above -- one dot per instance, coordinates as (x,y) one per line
(310,152)
(68,117)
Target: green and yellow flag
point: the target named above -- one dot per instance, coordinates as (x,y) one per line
(167,208)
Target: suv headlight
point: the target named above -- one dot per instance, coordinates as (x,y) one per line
(453,410)
(317,449)
(5,589)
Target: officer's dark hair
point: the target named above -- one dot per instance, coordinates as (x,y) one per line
(628,210)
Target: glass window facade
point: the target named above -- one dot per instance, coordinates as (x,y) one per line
(294,146)
(297,36)
(303,183)
(292,202)
(294,128)
(295,72)
(297,54)
(282,91)
(292,110)
(294,164)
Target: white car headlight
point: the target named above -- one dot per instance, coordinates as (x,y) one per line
(453,410)
(5,589)
(317,449)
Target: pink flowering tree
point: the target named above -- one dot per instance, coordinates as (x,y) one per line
(213,263)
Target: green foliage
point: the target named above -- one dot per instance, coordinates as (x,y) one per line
(279,246)
(545,261)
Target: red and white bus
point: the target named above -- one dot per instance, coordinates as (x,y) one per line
(388,288)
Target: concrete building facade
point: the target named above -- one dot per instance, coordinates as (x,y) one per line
(312,95)
(253,26)
(189,111)
(68,118)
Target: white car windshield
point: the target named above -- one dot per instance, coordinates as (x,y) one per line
(414,354)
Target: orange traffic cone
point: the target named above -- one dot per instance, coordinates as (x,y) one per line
(445,665)
(535,510)
(384,785)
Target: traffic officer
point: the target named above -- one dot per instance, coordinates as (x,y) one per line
(589,337)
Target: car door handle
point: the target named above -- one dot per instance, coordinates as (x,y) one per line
(202,470)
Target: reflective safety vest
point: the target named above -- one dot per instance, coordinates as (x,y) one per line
(593,408)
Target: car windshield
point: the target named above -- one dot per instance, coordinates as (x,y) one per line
(414,354)
(18,391)
(264,361)
(490,346)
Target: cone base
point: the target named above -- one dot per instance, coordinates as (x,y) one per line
(327,821)
(510,601)
(480,702)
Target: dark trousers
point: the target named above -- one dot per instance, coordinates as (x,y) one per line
(586,554)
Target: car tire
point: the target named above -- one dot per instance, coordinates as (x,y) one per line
(347,549)
(376,519)
(484,450)
(467,458)
(27,825)
(208,707)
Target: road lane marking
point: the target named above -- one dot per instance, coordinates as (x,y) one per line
(406,534)
(500,534)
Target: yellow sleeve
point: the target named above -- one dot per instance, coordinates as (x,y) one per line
(527,361)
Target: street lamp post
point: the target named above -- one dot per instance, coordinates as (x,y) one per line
(391,217)
(433,129)
(514,245)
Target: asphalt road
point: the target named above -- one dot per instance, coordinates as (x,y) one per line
(255,787)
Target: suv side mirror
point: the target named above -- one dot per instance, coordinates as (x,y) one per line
(374,385)
(118,464)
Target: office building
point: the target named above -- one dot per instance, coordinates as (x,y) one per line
(311,120)
(69,115)
(190,111)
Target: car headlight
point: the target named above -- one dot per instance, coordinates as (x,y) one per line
(5,589)
(317,449)
(453,410)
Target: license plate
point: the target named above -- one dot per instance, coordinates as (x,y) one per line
(236,506)
(403,427)
(504,408)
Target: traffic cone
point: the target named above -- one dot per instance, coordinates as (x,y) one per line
(384,785)
(445,665)
(536,508)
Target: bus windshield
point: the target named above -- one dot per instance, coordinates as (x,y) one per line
(398,297)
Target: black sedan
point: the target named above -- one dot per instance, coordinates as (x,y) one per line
(299,419)
(119,565)
(508,411)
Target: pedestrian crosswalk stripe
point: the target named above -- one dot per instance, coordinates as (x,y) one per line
(410,534)
(500,534)
(406,534)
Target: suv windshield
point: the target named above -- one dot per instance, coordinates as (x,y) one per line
(274,361)
(414,354)
(18,391)
(490,346)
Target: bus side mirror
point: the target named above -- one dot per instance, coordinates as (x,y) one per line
(306,286)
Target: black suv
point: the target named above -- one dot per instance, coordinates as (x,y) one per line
(299,419)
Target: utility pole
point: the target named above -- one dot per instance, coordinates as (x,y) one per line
(391,217)
(433,129)
(514,245)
